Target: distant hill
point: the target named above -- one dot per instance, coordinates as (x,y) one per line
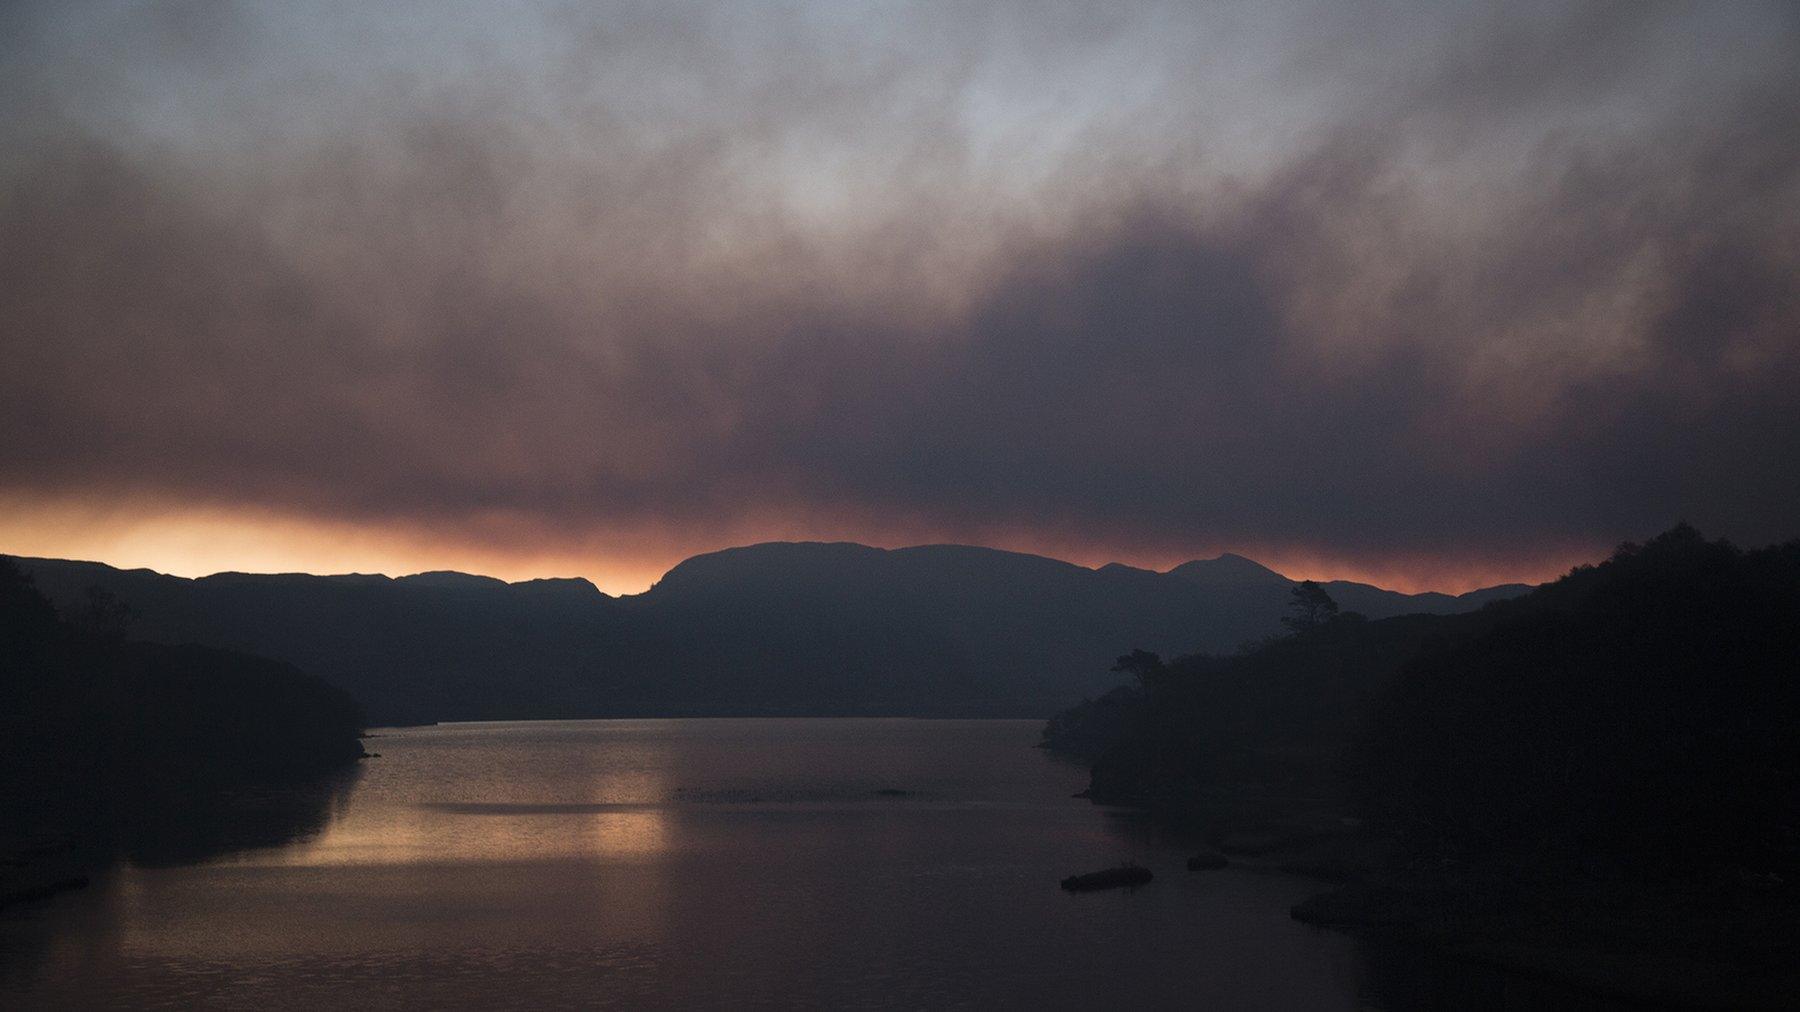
(117,750)
(779,628)
(1228,570)
(83,707)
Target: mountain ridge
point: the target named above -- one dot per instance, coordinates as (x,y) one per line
(778,628)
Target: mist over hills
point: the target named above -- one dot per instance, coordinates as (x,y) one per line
(778,628)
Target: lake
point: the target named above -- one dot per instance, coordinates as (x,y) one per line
(694,862)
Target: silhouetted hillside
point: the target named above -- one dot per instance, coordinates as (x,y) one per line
(414,649)
(774,628)
(82,703)
(1279,716)
(110,747)
(1643,710)
(1600,777)
(1676,655)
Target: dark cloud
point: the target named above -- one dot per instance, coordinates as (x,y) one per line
(1501,281)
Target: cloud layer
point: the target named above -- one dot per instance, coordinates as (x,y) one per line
(1472,290)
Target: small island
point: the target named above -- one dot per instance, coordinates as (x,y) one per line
(1124,876)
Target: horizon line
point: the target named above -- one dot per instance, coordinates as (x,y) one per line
(616,594)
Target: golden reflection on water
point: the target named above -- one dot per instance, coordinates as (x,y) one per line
(701,864)
(610,816)
(631,834)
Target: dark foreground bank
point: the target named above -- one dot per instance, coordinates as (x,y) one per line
(1596,782)
(112,749)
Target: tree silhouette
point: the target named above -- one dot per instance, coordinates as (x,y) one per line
(1142,665)
(1309,607)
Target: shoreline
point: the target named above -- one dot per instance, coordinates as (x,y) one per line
(1636,945)
(37,869)
(1719,942)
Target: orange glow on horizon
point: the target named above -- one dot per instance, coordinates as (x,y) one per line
(200,542)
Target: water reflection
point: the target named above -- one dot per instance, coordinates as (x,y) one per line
(174,827)
(712,863)
(693,862)
(503,829)
(149,827)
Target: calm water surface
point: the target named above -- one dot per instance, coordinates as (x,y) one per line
(696,862)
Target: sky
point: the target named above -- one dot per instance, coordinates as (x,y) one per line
(1434,295)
